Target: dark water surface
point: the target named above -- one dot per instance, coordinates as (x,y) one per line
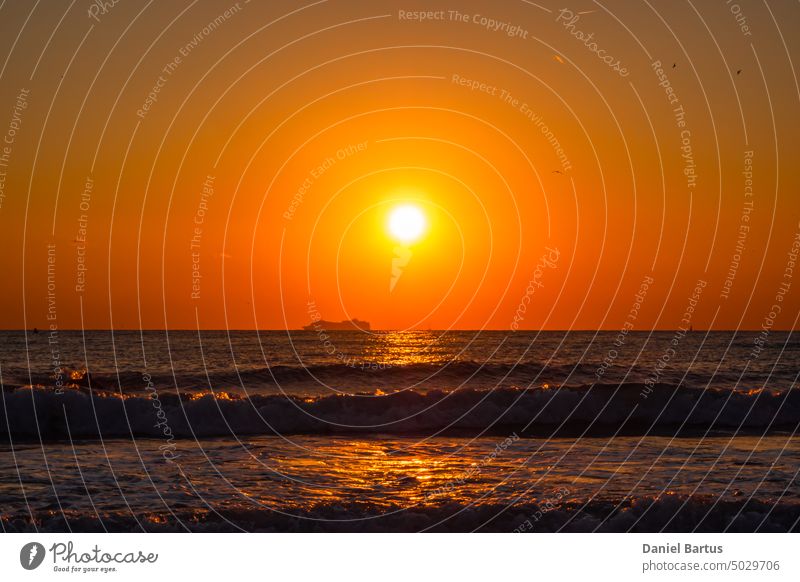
(412,431)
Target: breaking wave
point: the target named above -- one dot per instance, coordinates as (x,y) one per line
(354,375)
(592,410)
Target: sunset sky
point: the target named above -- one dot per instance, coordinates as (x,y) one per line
(278,137)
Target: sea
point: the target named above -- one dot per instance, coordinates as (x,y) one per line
(444,431)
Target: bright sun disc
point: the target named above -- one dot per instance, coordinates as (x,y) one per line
(407,223)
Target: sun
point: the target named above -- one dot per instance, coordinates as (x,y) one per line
(407,223)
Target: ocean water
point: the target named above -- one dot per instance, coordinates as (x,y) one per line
(312,363)
(413,431)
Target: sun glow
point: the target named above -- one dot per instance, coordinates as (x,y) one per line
(407,223)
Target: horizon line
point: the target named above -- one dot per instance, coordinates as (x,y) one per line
(617,330)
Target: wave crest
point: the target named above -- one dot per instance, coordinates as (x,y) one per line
(594,410)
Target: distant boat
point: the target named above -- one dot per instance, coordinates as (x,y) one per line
(347,325)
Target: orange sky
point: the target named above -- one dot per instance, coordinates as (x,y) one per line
(260,100)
